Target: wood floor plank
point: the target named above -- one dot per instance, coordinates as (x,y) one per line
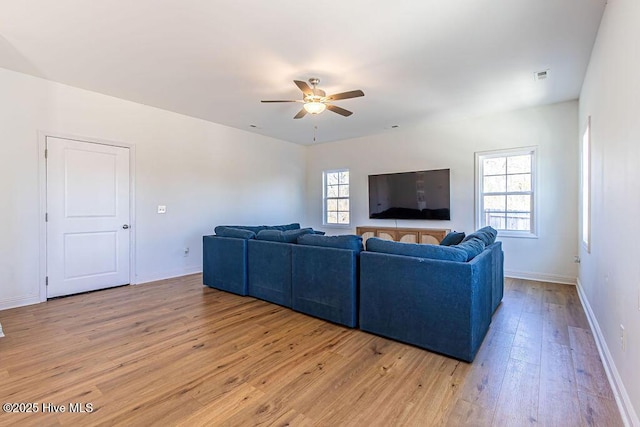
(598,411)
(467,414)
(518,401)
(175,352)
(527,343)
(555,326)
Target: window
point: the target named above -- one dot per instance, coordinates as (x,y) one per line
(586,186)
(506,189)
(336,197)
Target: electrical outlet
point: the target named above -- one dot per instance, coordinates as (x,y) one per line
(162,209)
(623,338)
(186,251)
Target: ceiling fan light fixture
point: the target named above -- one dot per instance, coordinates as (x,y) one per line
(314,107)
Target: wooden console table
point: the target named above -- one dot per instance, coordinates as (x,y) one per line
(407,235)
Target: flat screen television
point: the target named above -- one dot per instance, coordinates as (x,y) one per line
(410,195)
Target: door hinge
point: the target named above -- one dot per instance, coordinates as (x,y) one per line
(46,281)
(46,217)
(46,153)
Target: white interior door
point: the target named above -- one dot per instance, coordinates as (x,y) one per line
(87,216)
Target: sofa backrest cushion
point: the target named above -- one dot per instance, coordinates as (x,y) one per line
(348,241)
(446,253)
(473,247)
(255,228)
(486,234)
(238,233)
(286,227)
(452,238)
(287,236)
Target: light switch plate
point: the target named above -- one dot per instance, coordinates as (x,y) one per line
(162,209)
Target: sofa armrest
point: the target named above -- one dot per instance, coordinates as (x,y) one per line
(224,264)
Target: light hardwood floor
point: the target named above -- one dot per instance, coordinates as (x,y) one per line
(177,353)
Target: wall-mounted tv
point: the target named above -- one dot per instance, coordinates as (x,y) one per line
(410,195)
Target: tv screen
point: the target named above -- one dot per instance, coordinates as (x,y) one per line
(410,195)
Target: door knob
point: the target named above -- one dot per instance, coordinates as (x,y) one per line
(125,226)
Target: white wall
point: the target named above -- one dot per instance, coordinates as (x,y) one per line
(206,174)
(452,145)
(610,275)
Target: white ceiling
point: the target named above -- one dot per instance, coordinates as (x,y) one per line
(214,59)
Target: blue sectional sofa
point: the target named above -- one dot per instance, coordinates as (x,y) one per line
(440,298)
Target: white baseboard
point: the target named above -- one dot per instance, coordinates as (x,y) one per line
(540,277)
(19,301)
(192,269)
(628,413)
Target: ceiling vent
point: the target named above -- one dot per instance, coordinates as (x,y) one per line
(541,75)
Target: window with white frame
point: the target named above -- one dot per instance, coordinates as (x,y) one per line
(586,186)
(336,197)
(506,191)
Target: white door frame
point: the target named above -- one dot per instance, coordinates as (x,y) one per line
(42,183)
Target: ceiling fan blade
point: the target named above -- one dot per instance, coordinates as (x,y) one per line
(303,87)
(300,114)
(345,95)
(288,100)
(339,110)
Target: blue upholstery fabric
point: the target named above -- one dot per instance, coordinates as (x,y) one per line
(288,236)
(472,247)
(325,283)
(238,233)
(224,264)
(448,253)
(438,305)
(256,229)
(349,241)
(269,271)
(452,238)
(486,234)
(497,268)
(294,226)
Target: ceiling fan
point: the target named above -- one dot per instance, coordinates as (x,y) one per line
(316,100)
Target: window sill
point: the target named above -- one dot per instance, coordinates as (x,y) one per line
(337,226)
(517,234)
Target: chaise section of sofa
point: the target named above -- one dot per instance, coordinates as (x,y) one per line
(325,277)
(440,305)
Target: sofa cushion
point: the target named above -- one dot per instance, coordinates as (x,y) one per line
(288,236)
(486,234)
(349,241)
(447,253)
(452,238)
(238,233)
(473,247)
(255,228)
(286,227)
